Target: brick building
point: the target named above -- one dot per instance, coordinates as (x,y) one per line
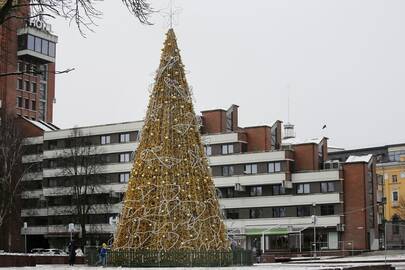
(273,192)
(27,49)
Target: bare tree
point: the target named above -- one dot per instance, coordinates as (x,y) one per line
(11,169)
(81,165)
(81,12)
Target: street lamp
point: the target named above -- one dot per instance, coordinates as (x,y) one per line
(25,236)
(314,222)
(71,230)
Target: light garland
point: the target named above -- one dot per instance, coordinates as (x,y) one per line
(171,201)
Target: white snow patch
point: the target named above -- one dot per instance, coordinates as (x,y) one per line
(365,158)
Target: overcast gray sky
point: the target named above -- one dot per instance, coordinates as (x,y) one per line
(343,60)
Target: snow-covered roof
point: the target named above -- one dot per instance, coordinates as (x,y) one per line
(301,141)
(365,158)
(42,125)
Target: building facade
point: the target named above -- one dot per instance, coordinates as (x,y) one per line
(274,193)
(27,54)
(391,173)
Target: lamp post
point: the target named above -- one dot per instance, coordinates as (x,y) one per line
(25,236)
(71,230)
(314,222)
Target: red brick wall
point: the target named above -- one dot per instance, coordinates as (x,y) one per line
(355,219)
(259,138)
(306,157)
(214,121)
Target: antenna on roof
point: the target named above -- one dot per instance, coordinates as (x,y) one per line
(288,127)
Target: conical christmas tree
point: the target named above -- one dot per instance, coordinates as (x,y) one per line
(171,201)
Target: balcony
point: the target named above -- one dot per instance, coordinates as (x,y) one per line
(250,180)
(280,200)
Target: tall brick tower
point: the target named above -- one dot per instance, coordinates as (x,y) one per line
(27,47)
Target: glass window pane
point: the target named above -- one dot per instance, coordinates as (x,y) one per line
(254,168)
(230,149)
(271,167)
(38,45)
(324,187)
(45,46)
(277,167)
(51,51)
(31,42)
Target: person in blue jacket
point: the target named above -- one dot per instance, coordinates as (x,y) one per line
(103,255)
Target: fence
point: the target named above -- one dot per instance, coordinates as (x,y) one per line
(394,235)
(131,258)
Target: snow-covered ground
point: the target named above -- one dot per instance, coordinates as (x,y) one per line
(273,266)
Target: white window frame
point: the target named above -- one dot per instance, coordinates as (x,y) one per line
(306,188)
(208,150)
(125,157)
(105,139)
(250,168)
(227,149)
(124,177)
(125,137)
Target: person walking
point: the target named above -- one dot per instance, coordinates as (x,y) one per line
(72,253)
(103,254)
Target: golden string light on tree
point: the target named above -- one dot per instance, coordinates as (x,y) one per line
(171,201)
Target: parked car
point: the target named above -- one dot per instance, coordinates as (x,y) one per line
(54,251)
(38,250)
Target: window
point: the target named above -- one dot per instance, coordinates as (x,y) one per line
(124,137)
(42,91)
(38,47)
(124,157)
(33,105)
(45,46)
(227,170)
(51,49)
(27,86)
(208,150)
(278,190)
(395,196)
(232,214)
(105,139)
(44,72)
(124,177)
(227,149)
(328,209)
(20,67)
(31,42)
(256,213)
(42,109)
(20,84)
(256,191)
(274,167)
(250,169)
(34,87)
(303,188)
(26,103)
(53,164)
(279,212)
(394,179)
(303,211)
(19,102)
(327,187)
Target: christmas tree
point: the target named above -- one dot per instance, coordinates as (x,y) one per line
(171,201)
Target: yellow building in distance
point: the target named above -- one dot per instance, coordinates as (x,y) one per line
(393,173)
(390,197)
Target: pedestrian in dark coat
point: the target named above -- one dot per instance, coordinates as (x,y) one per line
(72,253)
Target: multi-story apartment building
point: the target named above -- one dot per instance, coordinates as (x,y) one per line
(391,172)
(27,54)
(274,193)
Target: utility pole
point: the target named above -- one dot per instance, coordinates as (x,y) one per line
(314,222)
